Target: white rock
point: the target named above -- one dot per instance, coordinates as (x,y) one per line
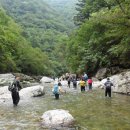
(46,80)
(57,118)
(97,84)
(33,91)
(25,93)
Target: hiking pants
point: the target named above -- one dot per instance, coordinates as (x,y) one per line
(57,96)
(15,97)
(82,88)
(108,92)
(90,86)
(75,86)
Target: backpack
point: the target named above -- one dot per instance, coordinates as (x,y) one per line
(74,82)
(108,84)
(85,77)
(56,89)
(12,87)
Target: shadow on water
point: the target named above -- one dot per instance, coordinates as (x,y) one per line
(91,110)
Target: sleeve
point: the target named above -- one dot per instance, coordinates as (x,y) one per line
(19,85)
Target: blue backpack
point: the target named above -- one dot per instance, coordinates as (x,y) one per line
(56,89)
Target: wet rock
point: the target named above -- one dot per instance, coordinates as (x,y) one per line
(57,118)
(46,80)
(24,77)
(34,91)
(5,79)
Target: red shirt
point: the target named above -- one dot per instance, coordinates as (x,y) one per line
(90,81)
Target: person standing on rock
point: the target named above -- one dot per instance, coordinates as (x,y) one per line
(15,91)
(108,84)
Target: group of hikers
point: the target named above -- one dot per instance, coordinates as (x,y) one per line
(85,81)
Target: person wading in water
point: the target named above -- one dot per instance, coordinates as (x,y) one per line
(82,85)
(15,88)
(108,84)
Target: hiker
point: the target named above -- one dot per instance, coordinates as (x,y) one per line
(69,81)
(59,83)
(56,90)
(82,85)
(108,84)
(74,83)
(90,83)
(85,77)
(16,87)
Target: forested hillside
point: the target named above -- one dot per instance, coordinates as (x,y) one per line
(66,8)
(41,23)
(103,36)
(16,55)
(43,27)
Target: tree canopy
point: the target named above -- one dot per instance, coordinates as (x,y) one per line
(43,27)
(102,39)
(16,53)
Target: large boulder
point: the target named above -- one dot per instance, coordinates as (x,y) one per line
(34,91)
(57,118)
(102,73)
(25,93)
(46,80)
(5,79)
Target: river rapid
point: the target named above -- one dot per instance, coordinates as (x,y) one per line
(91,110)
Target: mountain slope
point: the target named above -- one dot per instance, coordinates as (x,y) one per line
(15,52)
(40,22)
(44,26)
(66,9)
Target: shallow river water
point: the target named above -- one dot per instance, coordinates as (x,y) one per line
(91,110)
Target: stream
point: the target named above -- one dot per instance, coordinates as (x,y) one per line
(91,110)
